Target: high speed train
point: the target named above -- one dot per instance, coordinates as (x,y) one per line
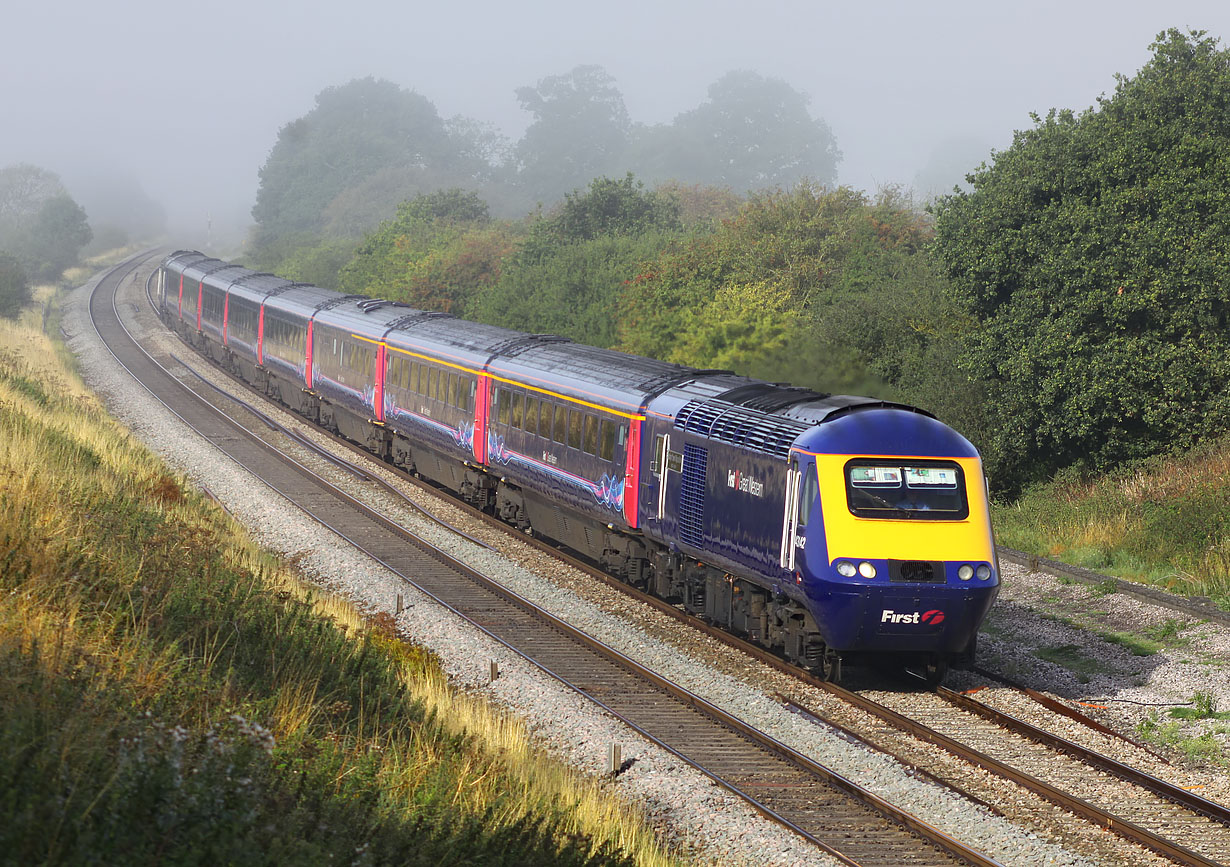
(827,527)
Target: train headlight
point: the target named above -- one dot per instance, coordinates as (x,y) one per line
(966,572)
(983,572)
(866,570)
(846,569)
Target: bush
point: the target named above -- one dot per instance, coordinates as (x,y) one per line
(14,287)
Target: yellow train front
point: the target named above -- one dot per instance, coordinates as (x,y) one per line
(895,555)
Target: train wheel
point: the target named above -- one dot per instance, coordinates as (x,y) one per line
(828,666)
(933,672)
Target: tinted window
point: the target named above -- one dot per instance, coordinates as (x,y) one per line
(517,409)
(504,405)
(574,428)
(531,414)
(591,434)
(561,425)
(608,440)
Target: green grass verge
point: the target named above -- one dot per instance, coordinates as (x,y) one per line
(1165,522)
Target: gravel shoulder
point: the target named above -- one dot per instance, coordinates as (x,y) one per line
(1035,614)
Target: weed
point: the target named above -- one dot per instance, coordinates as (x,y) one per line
(1167,631)
(1137,645)
(1204,706)
(1073,658)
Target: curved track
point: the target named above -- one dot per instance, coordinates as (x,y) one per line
(833,813)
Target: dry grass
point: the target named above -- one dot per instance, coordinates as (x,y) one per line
(141,631)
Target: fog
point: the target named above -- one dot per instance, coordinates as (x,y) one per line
(185,105)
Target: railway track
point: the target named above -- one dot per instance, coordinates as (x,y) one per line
(1166,819)
(834,814)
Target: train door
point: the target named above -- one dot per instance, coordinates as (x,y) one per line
(802,489)
(660,485)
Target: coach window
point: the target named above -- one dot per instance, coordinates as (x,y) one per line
(503,405)
(531,415)
(561,425)
(575,423)
(590,442)
(518,409)
(432,380)
(608,440)
(451,396)
(467,394)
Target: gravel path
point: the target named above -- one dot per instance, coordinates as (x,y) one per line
(690,812)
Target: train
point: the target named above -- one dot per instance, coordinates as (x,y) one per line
(832,529)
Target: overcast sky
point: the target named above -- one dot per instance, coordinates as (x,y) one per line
(188,98)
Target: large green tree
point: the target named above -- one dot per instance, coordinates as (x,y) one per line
(1094,254)
(437,252)
(752,133)
(40,224)
(567,276)
(366,146)
(580,131)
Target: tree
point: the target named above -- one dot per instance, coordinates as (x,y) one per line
(568,274)
(580,131)
(59,231)
(435,254)
(14,287)
(40,224)
(23,189)
(1093,253)
(365,146)
(753,133)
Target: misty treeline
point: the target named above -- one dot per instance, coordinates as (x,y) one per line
(1068,312)
(367,145)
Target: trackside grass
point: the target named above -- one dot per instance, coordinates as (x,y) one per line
(1164,522)
(171,694)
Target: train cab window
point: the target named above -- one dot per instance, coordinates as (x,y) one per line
(531,414)
(918,490)
(574,428)
(659,446)
(590,442)
(809,489)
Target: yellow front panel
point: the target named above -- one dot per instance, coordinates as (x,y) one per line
(857,538)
